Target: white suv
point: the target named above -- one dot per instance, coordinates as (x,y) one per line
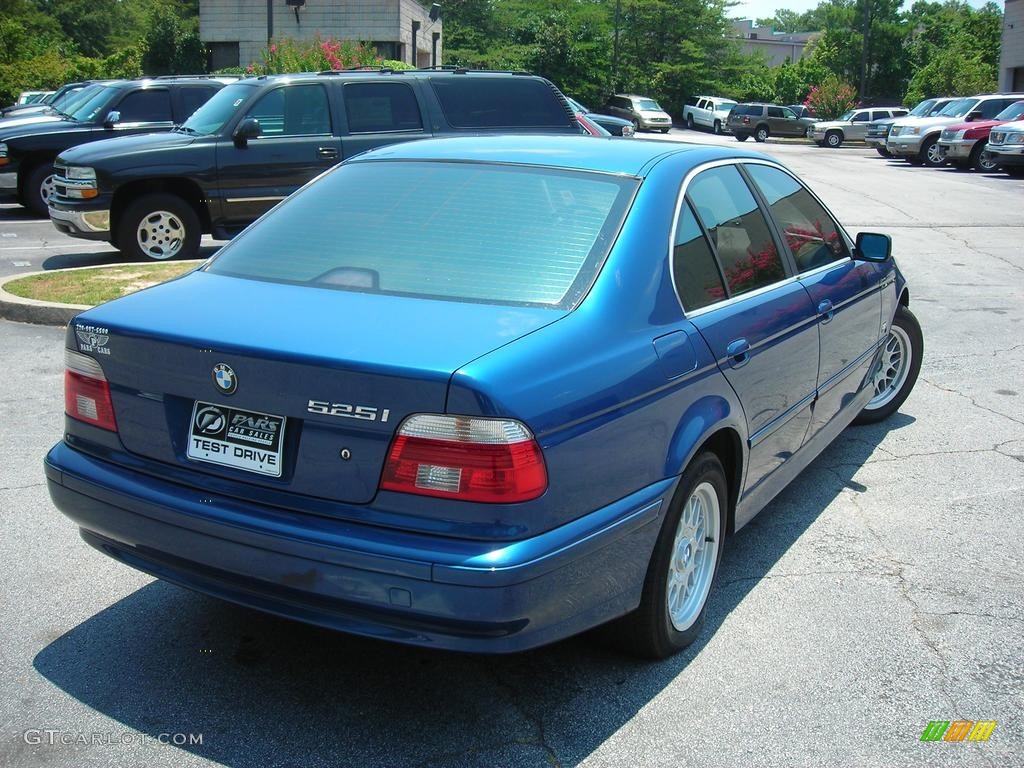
(708,111)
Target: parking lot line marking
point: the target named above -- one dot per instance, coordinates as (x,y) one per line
(6,249)
(21,263)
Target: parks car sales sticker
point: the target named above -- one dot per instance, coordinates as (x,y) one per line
(241,439)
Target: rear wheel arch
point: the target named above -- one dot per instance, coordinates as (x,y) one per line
(725,441)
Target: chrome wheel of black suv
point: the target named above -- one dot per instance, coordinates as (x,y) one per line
(159,227)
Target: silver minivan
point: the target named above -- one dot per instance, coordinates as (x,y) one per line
(645,113)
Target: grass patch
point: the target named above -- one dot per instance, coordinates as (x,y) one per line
(95,286)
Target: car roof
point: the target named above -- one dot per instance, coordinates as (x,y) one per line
(631,157)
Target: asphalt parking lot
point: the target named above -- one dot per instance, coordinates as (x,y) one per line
(882,590)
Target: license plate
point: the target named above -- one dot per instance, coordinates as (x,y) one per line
(232,437)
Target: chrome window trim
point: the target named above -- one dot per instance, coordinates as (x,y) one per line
(680,200)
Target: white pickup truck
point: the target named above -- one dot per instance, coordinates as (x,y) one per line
(707,111)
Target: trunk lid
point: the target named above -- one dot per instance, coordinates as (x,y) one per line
(342,368)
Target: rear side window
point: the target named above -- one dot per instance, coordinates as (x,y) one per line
(811,234)
(485,233)
(738,231)
(775,112)
(152,105)
(695,272)
(506,102)
(377,107)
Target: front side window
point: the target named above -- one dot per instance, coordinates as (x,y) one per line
(294,110)
(485,233)
(811,234)
(861,117)
(695,272)
(377,107)
(152,105)
(737,229)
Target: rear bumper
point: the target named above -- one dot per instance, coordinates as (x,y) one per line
(424,590)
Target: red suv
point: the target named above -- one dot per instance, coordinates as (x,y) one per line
(964,144)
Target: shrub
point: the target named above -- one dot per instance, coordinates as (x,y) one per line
(831,98)
(316,55)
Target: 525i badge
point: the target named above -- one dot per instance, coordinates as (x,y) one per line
(347,411)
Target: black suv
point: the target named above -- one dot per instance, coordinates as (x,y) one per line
(260,139)
(764,120)
(98,111)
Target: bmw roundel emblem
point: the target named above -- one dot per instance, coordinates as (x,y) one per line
(225,378)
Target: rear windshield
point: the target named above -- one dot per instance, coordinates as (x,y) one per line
(449,230)
(747,109)
(507,102)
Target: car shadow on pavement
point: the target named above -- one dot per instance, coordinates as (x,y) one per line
(270,692)
(103,258)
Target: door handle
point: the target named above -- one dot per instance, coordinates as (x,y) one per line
(826,311)
(327,153)
(738,352)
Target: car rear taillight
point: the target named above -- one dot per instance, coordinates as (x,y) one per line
(465,458)
(86,392)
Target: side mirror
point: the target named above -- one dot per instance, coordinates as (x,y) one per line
(972,116)
(872,246)
(113,118)
(249,128)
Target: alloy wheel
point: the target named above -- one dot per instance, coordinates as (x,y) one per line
(694,557)
(893,368)
(160,235)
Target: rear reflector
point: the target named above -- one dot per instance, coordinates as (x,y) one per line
(465,458)
(86,392)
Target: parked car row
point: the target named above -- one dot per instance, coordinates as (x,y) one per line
(150,165)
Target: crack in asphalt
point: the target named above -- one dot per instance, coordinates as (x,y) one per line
(22,487)
(536,722)
(974,402)
(949,232)
(978,615)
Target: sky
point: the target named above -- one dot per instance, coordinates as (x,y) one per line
(756,9)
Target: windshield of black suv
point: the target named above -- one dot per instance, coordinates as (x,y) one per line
(66,99)
(958,108)
(648,105)
(214,114)
(91,103)
(1013,112)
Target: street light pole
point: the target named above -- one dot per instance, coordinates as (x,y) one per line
(270,21)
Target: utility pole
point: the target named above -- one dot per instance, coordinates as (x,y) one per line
(614,85)
(864,50)
(270,21)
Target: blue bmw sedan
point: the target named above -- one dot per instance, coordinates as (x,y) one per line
(484,393)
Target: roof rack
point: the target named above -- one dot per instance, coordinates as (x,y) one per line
(466,70)
(184,77)
(382,70)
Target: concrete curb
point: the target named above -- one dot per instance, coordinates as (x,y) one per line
(38,312)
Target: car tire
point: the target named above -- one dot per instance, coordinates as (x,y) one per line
(819,143)
(981,160)
(665,130)
(1017,171)
(689,122)
(672,610)
(636,125)
(883,151)
(741,137)
(931,153)
(36,189)
(159,227)
(914,160)
(833,139)
(717,128)
(897,369)
(761,134)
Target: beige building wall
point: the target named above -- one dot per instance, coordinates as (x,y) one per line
(387,23)
(775,47)
(1011,58)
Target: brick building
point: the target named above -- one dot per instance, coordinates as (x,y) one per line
(235,32)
